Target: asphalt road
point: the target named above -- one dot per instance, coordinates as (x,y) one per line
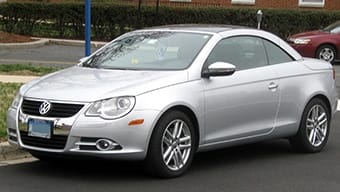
(51,55)
(267,167)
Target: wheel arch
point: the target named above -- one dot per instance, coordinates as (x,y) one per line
(300,140)
(185,109)
(192,116)
(324,99)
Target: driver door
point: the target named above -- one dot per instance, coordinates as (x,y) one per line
(245,103)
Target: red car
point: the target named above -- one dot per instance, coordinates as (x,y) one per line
(323,44)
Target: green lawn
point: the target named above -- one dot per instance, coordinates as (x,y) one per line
(9,90)
(7,93)
(26,69)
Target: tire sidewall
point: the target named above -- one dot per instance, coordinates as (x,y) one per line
(326,46)
(303,128)
(154,155)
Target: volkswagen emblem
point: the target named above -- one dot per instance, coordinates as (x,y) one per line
(45,107)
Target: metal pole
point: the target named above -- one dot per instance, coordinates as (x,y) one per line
(259,15)
(139,14)
(139,5)
(87,28)
(157,5)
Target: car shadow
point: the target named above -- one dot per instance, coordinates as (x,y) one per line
(108,170)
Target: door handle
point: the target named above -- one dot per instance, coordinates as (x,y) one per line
(272,86)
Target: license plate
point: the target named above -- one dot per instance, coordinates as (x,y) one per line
(40,128)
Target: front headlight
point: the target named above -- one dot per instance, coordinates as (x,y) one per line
(112,108)
(16,101)
(301,41)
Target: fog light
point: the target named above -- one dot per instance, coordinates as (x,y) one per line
(105,145)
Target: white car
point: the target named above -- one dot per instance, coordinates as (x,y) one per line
(162,94)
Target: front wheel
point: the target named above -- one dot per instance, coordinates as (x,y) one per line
(314,127)
(327,53)
(172,146)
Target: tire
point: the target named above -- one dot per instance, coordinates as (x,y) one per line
(326,53)
(177,146)
(314,128)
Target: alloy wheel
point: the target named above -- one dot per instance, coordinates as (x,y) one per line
(327,54)
(176,144)
(317,125)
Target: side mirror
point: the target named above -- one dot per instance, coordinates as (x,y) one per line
(219,69)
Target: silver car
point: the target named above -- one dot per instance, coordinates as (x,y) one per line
(163,94)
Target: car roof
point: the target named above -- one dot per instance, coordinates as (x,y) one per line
(210,28)
(220,29)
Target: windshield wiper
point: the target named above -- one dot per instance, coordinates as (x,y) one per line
(121,68)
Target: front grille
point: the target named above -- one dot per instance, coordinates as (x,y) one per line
(55,142)
(57,110)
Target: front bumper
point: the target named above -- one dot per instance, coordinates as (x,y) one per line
(77,135)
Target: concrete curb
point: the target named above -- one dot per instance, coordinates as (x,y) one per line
(8,152)
(44,41)
(32,44)
(16,78)
(68,42)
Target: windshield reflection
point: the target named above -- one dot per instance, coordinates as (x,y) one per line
(152,50)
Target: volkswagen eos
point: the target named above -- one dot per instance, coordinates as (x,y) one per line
(162,94)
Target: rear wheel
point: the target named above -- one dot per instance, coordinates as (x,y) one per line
(327,53)
(314,128)
(172,146)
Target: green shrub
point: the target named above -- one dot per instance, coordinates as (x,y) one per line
(65,20)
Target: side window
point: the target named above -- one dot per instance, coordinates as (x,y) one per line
(275,54)
(245,52)
(336,30)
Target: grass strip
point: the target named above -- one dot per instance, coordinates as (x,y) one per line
(7,94)
(26,69)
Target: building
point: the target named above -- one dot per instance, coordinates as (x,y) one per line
(285,4)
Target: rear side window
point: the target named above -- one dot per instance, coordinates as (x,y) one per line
(275,54)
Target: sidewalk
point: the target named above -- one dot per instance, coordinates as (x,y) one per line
(16,78)
(43,41)
(8,152)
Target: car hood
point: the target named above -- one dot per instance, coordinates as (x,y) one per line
(310,34)
(88,84)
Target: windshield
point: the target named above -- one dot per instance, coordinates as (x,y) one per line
(152,50)
(333,28)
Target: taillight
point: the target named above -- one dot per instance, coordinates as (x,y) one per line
(333,73)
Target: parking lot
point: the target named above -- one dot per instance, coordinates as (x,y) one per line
(266,166)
